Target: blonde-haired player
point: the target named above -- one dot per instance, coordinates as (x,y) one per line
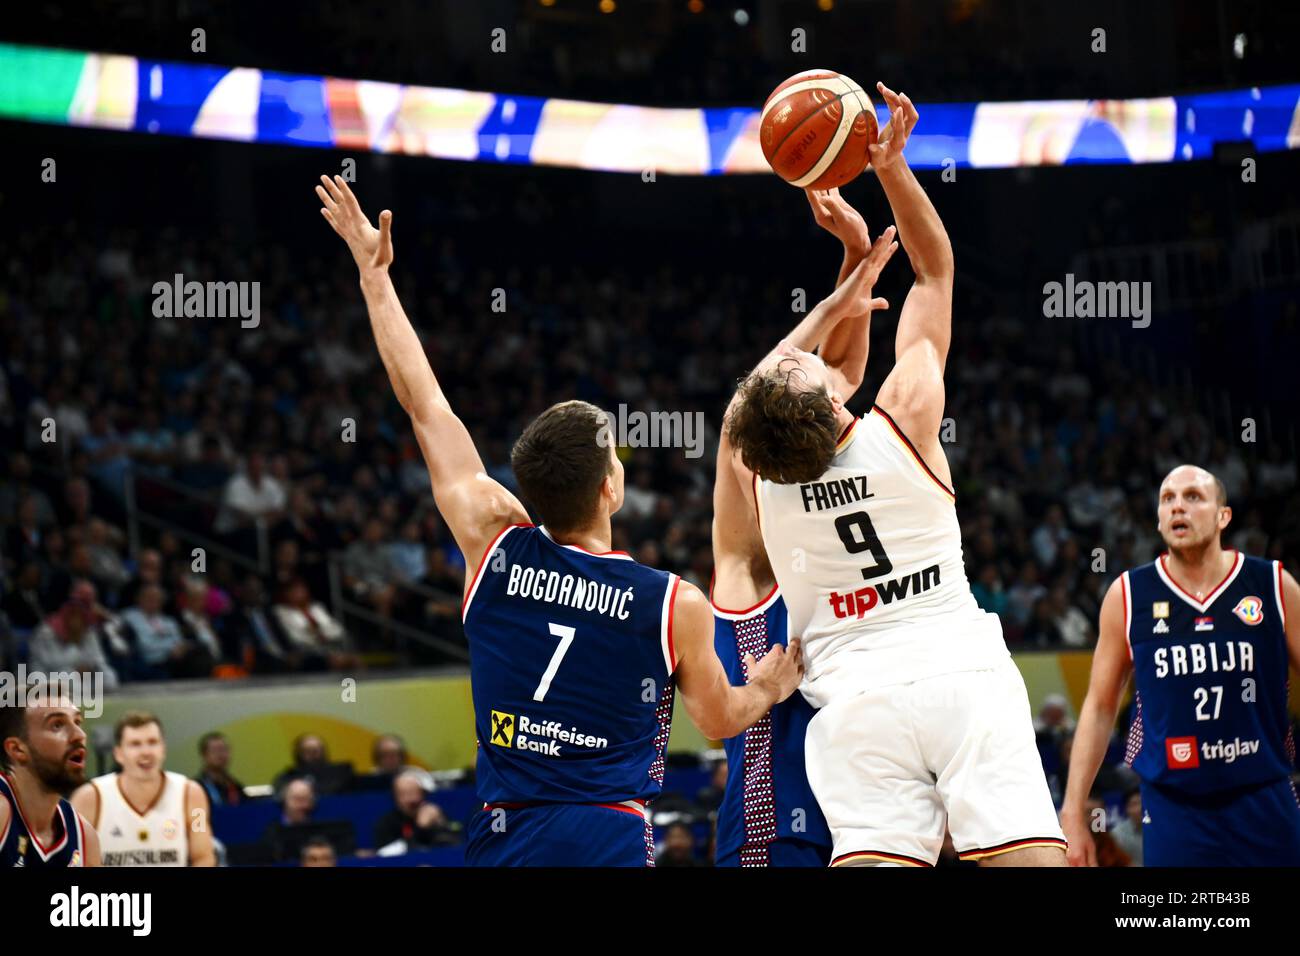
(147,815)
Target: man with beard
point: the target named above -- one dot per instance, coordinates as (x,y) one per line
(42,760)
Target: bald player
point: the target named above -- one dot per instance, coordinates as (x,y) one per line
(42,759)
(1204,633)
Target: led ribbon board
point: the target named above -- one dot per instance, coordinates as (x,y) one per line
(111,91)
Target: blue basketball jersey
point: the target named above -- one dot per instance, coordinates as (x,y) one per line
(18,847)
(1210,708)
(570,670)
(767,797)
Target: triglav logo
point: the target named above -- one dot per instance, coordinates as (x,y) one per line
(40,689)
(655,430)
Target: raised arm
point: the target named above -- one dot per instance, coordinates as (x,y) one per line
(913,393)
(474,505)
(717,708)
(1110,673)
(845,347)
(742,575)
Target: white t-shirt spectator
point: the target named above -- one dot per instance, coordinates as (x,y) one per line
(244,500)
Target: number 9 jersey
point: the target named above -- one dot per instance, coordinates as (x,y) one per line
(571,672)
(869,560)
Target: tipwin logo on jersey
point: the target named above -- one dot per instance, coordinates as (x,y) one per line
(858,603)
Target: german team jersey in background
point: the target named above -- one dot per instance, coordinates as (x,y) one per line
(1210,709)
(570,670)
(767,797)
(18,847)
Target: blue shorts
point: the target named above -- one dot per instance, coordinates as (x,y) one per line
(1252,826)
(785,851)
(559,834)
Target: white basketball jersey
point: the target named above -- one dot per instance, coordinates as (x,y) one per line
(158,837)
(869,560)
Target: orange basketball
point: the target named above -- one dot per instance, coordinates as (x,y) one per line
(815,127)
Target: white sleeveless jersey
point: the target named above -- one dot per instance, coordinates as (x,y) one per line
(158,837)
(869,560)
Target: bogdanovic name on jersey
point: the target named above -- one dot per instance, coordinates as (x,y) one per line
(539,737)
(858,603)
(575,591)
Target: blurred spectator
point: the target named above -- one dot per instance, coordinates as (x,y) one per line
(369,570)
(318,851)
(69,641)
(251,495)
(1128,831)
(408,553)
(1109,852)
(298,809)
(710,798)
(678,847)
(163,649)
(413,821)
(312,631)
(215,777)
(24,603)
(311,763)
(195,622)
(252,631)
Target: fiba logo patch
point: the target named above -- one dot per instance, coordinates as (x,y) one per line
(170,829)
(1182,753)
(1250,610)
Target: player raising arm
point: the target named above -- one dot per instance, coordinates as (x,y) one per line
(759,821)
(576,649)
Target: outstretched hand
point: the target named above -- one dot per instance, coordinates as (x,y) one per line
(836,216)
(853,297)
(371,248)
(893,136)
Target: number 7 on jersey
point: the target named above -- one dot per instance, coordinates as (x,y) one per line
(565,634)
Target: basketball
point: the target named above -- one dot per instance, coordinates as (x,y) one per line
(815,128)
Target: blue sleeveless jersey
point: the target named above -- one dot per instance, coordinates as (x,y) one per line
(570,670)
(767,797)
(1210,708)
(19,848)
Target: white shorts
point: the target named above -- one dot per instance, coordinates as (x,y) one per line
(892,766)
